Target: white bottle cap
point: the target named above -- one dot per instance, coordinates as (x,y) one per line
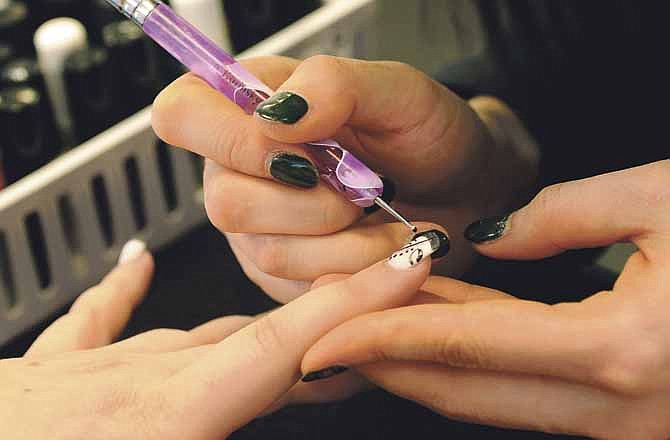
(208,16)
(54,41)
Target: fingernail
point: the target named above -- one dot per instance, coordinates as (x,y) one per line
(425,244)
(294,170)
(131,251)
(326,373)
(284,107)
(388,195)
(487,230)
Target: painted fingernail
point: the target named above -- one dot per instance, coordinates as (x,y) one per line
(326,373)
(388,195)
(423,245)
(487,230)
(294,170)
(132,251)
(284,107)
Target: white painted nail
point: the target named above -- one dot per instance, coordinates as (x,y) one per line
(131,251)
(421,247)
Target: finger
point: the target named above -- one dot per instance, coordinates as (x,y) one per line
(165,339)
(340,91)
(190,114)
(621,206)
(280,290)
(509,401)
(458,292)
(239,203)
(497,335)
(325,94)
(329,279)
(260,363)
(101,313)
(337,389)
(435,291)
(299,257)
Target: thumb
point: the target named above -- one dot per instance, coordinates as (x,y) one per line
(629,205)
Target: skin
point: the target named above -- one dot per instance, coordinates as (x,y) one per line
(472,159)
(75,382)
(598,368)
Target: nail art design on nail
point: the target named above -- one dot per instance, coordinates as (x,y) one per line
(326,373)
(487,230)
(430,243)
(284,107)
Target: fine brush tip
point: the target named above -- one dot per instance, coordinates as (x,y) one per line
(386,207)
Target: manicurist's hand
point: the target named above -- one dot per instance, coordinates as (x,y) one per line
(76,383)
(600,367)
(451,162)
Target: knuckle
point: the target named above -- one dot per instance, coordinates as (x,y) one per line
(230,141)
(269,337)
(458,351)
(323,63)
(548,200)
(630,361)
(333,68)
(652,191)
(461,348)
(226,210)
(270,255)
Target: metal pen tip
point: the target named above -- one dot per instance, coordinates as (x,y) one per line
(386,207)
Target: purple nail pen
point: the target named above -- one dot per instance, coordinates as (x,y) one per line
(337,166)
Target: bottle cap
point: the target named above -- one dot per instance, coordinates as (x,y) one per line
(55,40)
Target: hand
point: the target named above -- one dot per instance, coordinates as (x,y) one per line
(451,163)
(600,367)
(172,384)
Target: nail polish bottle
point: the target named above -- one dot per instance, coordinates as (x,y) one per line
(93,94)
(134,59)
(24,72)
(15,25)
(29,137)
(54,41)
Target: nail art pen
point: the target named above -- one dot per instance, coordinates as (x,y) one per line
(337,166)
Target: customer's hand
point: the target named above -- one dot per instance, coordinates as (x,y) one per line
(451,163)
(171,384)
(600,367)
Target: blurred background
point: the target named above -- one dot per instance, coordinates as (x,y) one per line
(81,171)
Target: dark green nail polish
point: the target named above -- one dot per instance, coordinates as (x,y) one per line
(326,373)
(284,107)
(294,170)
(486,230)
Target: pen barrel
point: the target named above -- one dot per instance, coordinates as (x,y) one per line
(203,57)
